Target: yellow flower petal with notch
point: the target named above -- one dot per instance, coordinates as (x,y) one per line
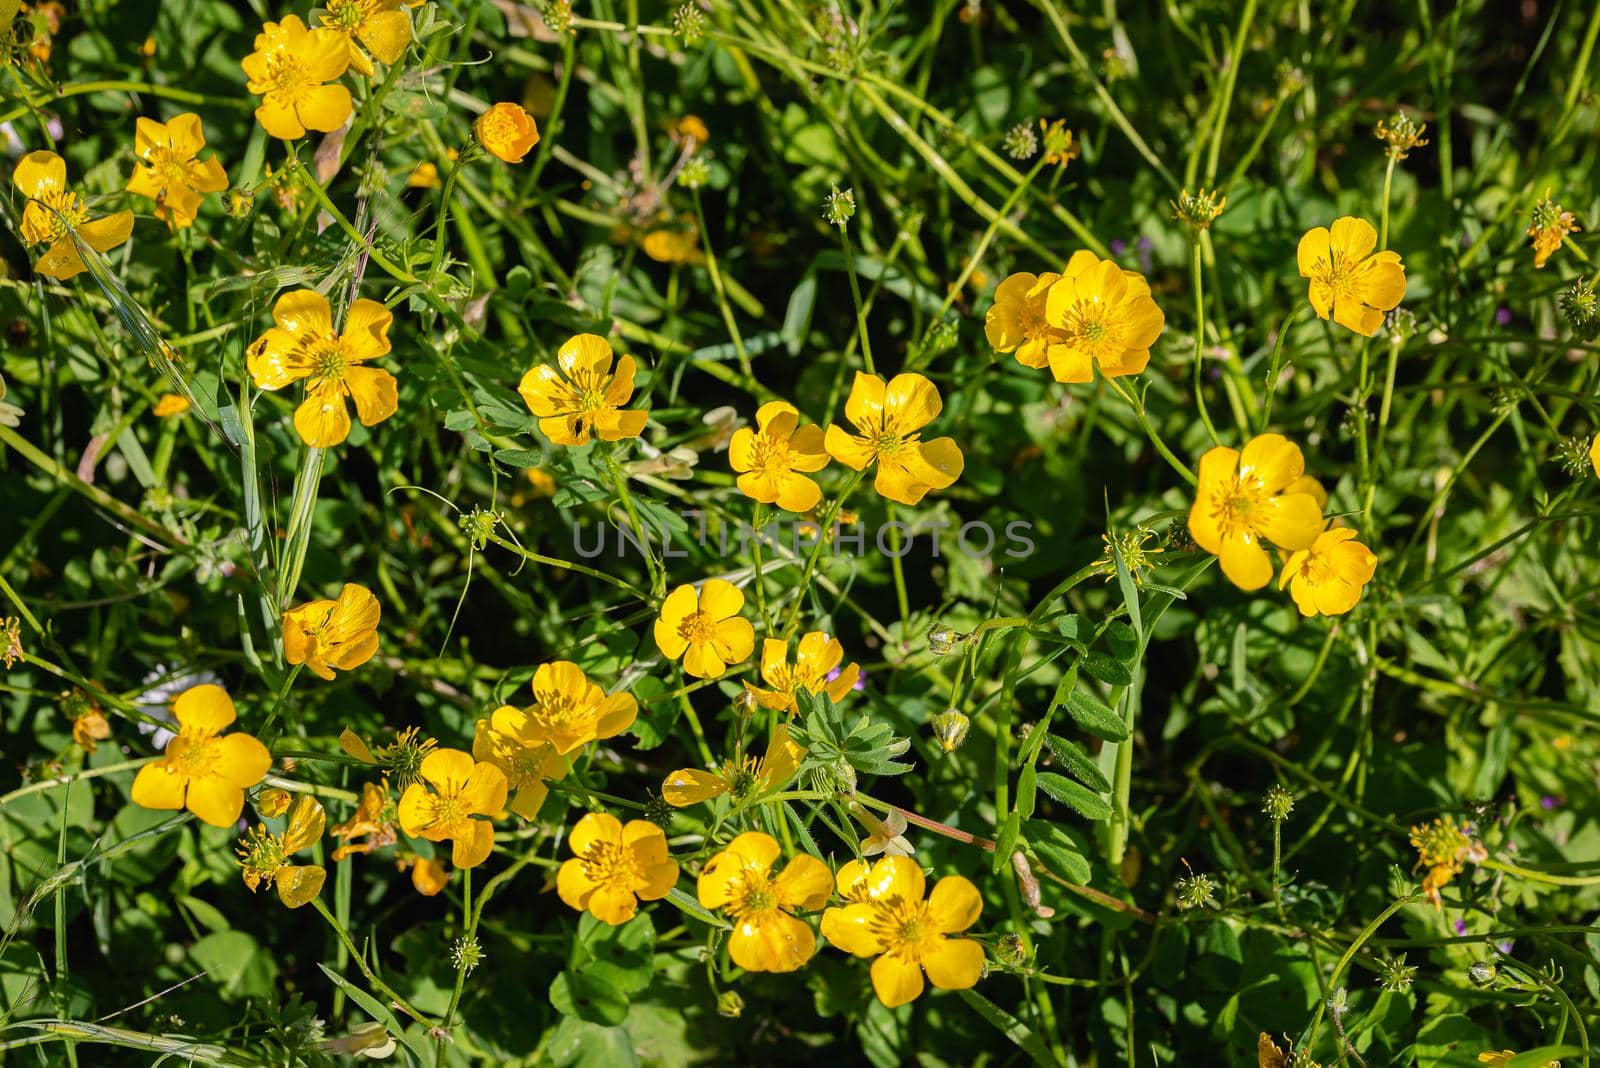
(54,213)
(324,635)
(202,769)
(1347,279)
(705,628)
(1247,499)
(614,867)
(889,417)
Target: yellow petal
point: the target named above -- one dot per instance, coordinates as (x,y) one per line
(366,330)
(865,405)
(1313,248)
(1274,460)
(241,760)
(896,979)
(322,419)
(472,849)
(805,883)
(912,402)
(687,786)
(853,928)
(896,877)
(386,34)
(158,787)
(855,453)
(299,884)
(720,599)
(954,904)
(595,827)
(953,963)
(325,109)
(771,942)
(215,800)
(39,173)
(205,709)
(375,392)
(1352,236)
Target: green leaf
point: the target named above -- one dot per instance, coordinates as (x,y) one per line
(1108,669)
(1075,630)
(1057,851)
(1014,1029)
(519,457)
(379,1012)
(1027,790)
(1095,717)
(1088,804)
(693,908)
(1006,843)
(588,997)
(1538,1058)
(1079,764)
(236,963)
(1123,640)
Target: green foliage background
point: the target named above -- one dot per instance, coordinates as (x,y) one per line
(1465,685)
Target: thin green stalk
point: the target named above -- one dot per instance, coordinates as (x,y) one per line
(1195,280)
(823,527)
(1229,79)
(1344,961)
(1151,432)
(1275,367)
(720,289)
(855,294)
(298,532)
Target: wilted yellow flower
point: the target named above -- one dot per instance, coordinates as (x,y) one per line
(1327,578)
(774,460)
(202,769)
(507,131)
(1347,278)
(584,396)
(169,405)
(908,935)
(54,213)
(461,789)
(817,656)
(1101,316)
(1549,227)
(371,826)
(90,728)
(265,857)
(1246,498)
(288,69)
(690,132)
(428,876)
(741,777)
(375,26)
(10,641)
(705,628)
(1444,847)
(167,171)
(304,346)
(1059,147)
(614,867)
(324,635)
(766,937)
(888,418)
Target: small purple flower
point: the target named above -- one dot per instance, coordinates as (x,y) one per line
(1461,927)
(1146,260)
(1547,802)
(1118,246)
(1502,315)
(1505,947)
(861,678)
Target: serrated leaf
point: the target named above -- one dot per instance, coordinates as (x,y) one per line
(1078,763)
(1095,717)
(1086,803)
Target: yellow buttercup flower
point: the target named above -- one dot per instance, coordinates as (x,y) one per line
(742,778)
(1104,317)
(1594,454)
(767,937)
(1015,323)
(614,867)
(817,656)
(908,935)
(584,396)
(202,769)
(265,857)
(773,460)
(888,418)
(507,131)
(461,789)
(304,346)
(673,246)
(1250,497)
(1347,277)
(54,213)
(167,171)
(324,635)
(288,69)
(705,629)
(377,27)
(90,728)
(425,175)
(690,131)
(169,405)
(1327,579)
(530,744)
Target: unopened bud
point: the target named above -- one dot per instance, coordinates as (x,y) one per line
(730,1004)
(942,639)
(272,802)
(950,729)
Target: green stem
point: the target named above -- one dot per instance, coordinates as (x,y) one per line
(1349,955)
(1229,79)
(1196,277)
(1150,432)
(861,310)
(823,527)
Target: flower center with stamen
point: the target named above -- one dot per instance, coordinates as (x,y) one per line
(447,809)
(697,628)
(609,863)
(771,456)
(752,894)
(346,15)
(902,926)
(327,359)
(1086,323)
(553,709)
(285,73)
(193,755)
(1336,275)
(63,210)
(1236,507)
